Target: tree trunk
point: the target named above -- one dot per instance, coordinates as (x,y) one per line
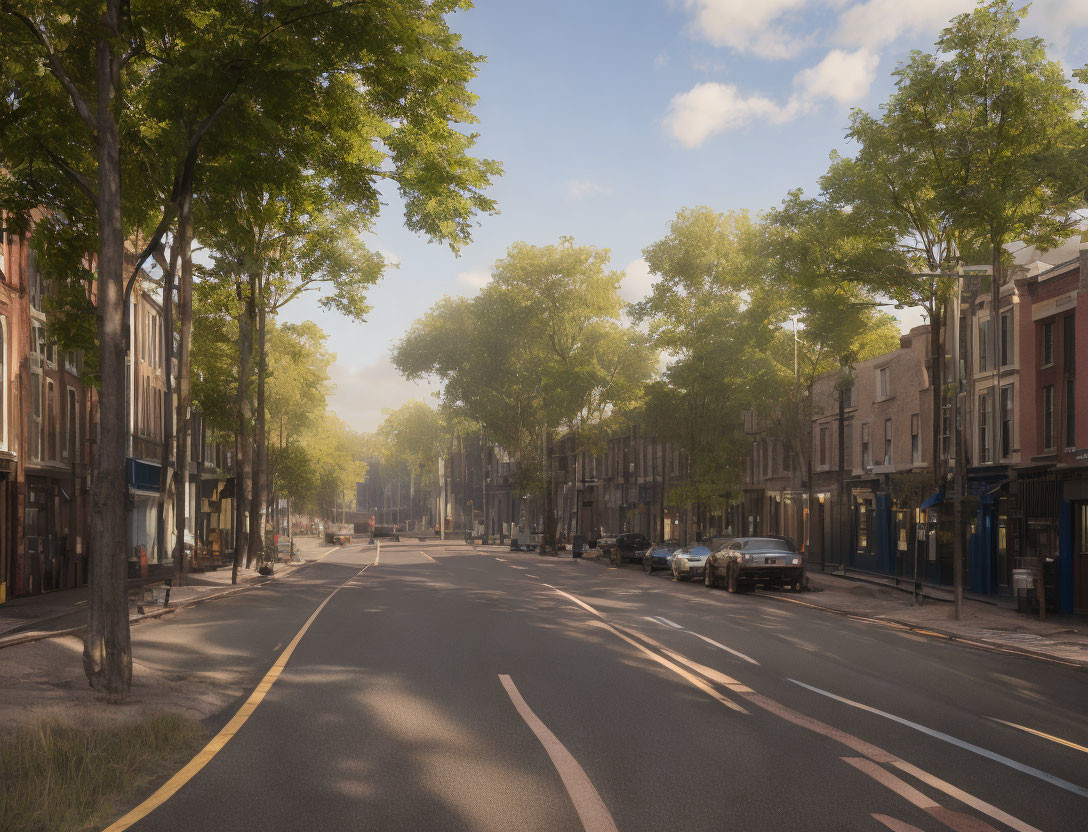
(167,411)
(483,483)
(548,538)
(244,483)
(107,650)
(185,320)
(259,504)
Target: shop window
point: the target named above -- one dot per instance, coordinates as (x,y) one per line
(1046,344)
(915,439)
(1048,417)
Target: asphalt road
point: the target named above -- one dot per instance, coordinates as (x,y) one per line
(669,706)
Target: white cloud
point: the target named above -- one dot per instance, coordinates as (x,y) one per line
(474,279)
(637,281)
(661,61)
(877,22)
(842,76)
(710,108)
(585,188)
(760,27)
(390,257)
(363,392)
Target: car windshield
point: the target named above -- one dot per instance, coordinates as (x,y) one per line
(766,544)
(698,552)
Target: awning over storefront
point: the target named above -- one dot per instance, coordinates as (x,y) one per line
(933,499)
(142,476)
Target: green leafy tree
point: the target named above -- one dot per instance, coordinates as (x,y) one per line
(84,79)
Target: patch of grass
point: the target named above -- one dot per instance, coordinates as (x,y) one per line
(57,776)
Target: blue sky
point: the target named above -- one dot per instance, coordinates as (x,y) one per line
(610,116)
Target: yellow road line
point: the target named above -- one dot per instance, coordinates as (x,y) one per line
(205,755)
(1050,737)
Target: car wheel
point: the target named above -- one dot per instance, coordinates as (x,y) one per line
(648,565)
(731,580)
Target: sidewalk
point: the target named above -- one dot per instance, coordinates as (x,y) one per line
(65,612)
(1059,638)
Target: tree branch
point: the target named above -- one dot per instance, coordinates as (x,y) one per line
(55,66)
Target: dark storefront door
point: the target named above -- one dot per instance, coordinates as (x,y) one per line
(1080,556)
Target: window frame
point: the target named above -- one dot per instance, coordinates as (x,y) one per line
(1007,392)
(984,433)
(1046,345)
(888,442)
(915,438)
(1069,437)
(1007,346)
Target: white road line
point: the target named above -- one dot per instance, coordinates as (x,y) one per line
(587,802)
(736,653)
(378,555)
(983,752)
(662,619)
(428,557)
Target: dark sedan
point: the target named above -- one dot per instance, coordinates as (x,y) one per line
(659,556)
(747,561)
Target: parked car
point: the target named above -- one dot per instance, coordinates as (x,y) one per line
(630,546)
(689,562)
(659,556)
(747,561)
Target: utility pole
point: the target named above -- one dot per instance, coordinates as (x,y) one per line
(441,498)
(957,451)
(483,480)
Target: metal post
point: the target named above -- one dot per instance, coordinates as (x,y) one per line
(958,451)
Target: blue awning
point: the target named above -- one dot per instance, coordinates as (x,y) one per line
(933,499)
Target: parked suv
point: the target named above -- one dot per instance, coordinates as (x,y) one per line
(747,561)
(630,546)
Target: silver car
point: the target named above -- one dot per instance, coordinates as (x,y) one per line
(689,562)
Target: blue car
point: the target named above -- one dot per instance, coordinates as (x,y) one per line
(689,562)
(659,556)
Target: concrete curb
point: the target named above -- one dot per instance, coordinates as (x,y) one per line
(39,635)
(936,632)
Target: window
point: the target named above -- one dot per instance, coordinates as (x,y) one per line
(848,396)
(887,441)
(766,457)
(1046,347)
(1048,417)
(71,361)
(866,455)
(3,250)
(71,435)
(984,330)
(1007,340)
(52,435)
(1070,414)
(774,457)
(33,280)
(825,439)
(983,427)
(1069,344)
(1006,420)
(848,446)
(3,376)
(884,388)
(37,339)
(915,439)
